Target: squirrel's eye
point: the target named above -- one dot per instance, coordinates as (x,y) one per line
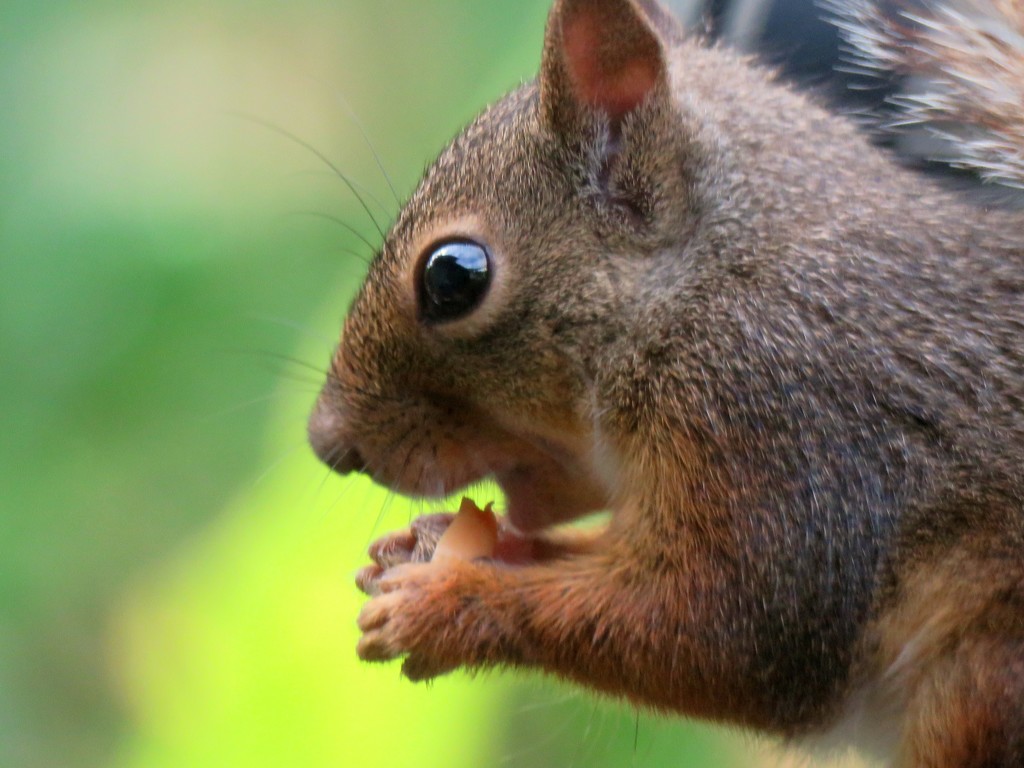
(455,279)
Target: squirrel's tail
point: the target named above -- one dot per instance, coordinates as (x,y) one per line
(961,68)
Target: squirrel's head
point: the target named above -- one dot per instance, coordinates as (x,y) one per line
(472,347)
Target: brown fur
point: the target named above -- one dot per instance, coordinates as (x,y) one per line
(793,371)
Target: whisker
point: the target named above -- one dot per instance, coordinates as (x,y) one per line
(349,482)
(385,507)
(636,737)
(558,722)
(419,483)
(276,463)
(293,361)
(295,325)
(370,194)
(391,493)
(324,158)
(549,701)
(388,213)
(328,471)
(315,384)
(264,356)
(585,739)
(238,407)
(366,138)
(345,225)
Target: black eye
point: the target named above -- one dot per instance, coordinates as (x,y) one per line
(455,279)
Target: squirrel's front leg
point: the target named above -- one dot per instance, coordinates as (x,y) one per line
(585,618)
(442,615)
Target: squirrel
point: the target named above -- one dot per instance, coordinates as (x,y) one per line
(658,282)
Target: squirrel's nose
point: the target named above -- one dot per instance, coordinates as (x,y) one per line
(349,460)
(327,436)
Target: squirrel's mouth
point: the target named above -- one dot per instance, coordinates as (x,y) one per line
(543,486)
(545,481)
(540,496)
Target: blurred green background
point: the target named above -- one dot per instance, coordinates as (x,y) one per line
(175,567)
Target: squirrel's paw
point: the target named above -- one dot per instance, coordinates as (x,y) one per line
(415,544)
(416,613)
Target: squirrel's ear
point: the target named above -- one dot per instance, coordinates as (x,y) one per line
(606,55)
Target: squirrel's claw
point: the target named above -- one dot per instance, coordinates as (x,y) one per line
(380,621)
(394,549)
(367,578)
(415,544)
(410,615)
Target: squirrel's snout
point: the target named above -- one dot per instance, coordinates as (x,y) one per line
(327,436)
(344,460)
